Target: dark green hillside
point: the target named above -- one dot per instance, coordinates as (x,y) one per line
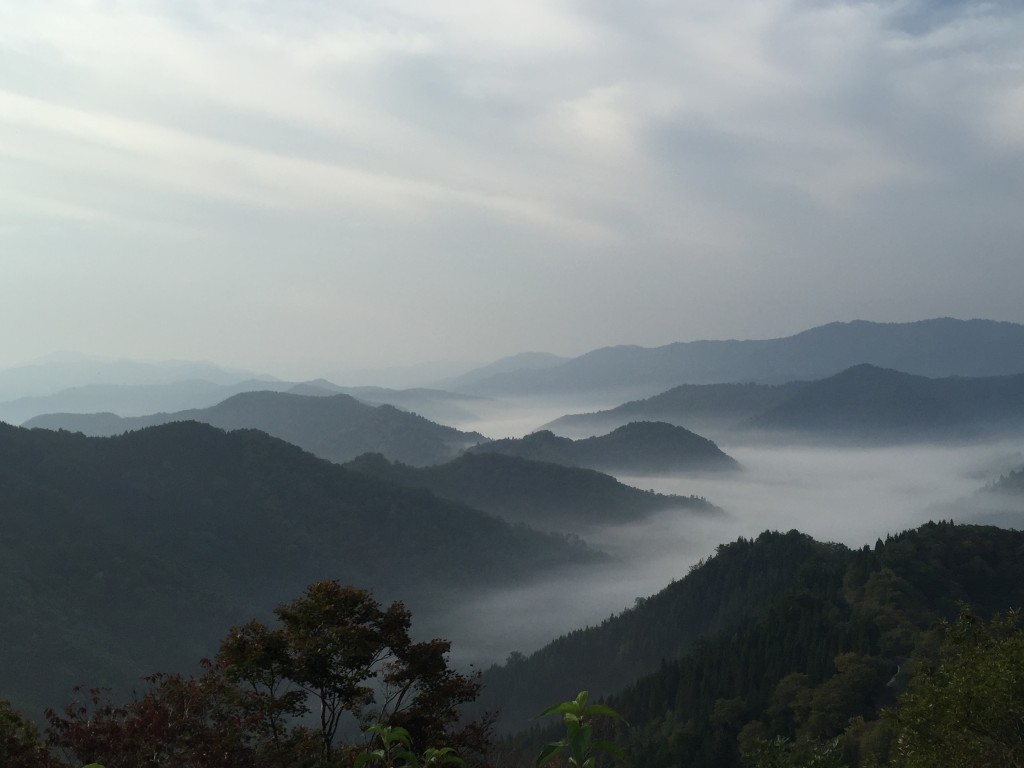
(653,447)
(865,402)
(537,446)
(640,448)
(838,641)
(736,583)
(120,556)
(334,427)
(711,407)
(541,494)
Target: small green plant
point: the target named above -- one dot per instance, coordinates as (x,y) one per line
(396,751)
(577,717)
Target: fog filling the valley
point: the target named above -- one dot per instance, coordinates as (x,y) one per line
(848,495)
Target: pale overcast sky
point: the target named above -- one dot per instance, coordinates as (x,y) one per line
(305,185)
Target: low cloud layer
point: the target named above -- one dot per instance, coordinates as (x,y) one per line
(849,495)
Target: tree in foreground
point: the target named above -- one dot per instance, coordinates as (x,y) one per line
(20,745)
(969,710)
(280,695)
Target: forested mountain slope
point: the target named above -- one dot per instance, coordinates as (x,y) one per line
(836,638)
(335,427)
(716,408)
(861,403)
(870,403)
(737,582)
(637,448)
(544,495)
(121,556)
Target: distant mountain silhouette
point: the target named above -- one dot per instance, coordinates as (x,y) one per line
(524,361)
(131,399)
(435,404)
(703,407)
(121,556)
(863,402)
(53,376)
(543,495)
(1011,483)
(880,404)
(640,448)
(936,348)
(169,397)
(334,427)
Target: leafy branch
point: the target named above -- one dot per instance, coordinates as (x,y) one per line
(577,717)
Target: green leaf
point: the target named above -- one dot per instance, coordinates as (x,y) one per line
(442,756)
(398,733)
(549,751)
(566,707)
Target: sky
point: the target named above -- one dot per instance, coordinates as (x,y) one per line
(305,187)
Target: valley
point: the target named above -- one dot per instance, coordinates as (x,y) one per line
(183,524)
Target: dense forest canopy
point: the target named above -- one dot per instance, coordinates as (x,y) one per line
(127,554)
(865,657)
(838,639)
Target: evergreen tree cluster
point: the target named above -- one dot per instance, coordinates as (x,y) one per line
(805,675)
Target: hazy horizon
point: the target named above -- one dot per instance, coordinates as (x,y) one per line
(430,373)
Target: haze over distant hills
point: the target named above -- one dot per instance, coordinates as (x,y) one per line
(334,427)
(703,407)
(639,448)
(936,348)
(1011,483)
(861,403)
(132,399)
(543,495)
(891,406)
(128,388)
(435,404)
(524,361)
(49,377)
